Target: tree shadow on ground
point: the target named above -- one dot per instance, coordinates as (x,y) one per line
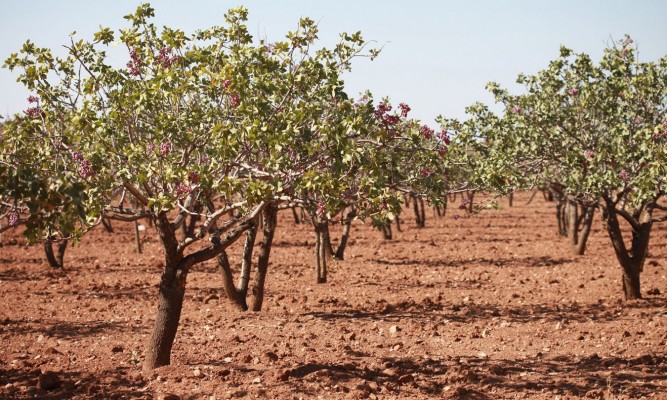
(474,378)
(22,383)
(531,262)
(65,329)
(470,313)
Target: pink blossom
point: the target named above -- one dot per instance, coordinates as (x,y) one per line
(34,112)
(226,83)
(516,110)
(573,92)
(182,189)
(426,132)
(33,99)
(85,170)
(234,100)
(13,218)
(625,175)
(193,177)
(405,109)
(165,148)
(589,153)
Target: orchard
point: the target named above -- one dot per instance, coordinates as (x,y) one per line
(238,224)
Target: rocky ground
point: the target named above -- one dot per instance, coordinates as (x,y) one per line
(491,306)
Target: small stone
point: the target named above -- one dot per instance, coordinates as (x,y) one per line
(271,356)
(350,336)
(407,378)
(210,297)
(51,350)
(654,292)
(167,396)
(117,349)
(48,381)
(394,329)
(247,358)
(282,375)
(257,381)
(197,373)
(227,359)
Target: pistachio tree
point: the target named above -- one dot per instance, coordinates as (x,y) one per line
(596,133)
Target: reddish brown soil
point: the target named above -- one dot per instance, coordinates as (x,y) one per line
(492,306)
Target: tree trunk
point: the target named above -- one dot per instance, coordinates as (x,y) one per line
(320,251)
(232,293)
(349,216)
(510,199)
(422,212)
(415,208)
(297,221)
(632,261)
(386,231)
(107,225)
(246,263)
(170,299)
(471,198)
(588,213)
(55,261)
(268,229)
(572,211)
(561,217)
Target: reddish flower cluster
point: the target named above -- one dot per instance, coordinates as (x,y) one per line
(134,65)
(150,148)
(165,58)
(33,99)
(226,84)
(573,92)
(444,137)
(625,175)
(589,154)
(382,109)
(34,112)
(193,177)
(516,110)
(426,132)
(234,100)
(203,159)
(85,168)
(13,218)
(76,156)
(426,172)
(165,148)
(182,189)
(405,109)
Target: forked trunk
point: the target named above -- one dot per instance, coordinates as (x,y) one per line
(107,225)
(632,261)
(586,223)
(268,229)
(55,261)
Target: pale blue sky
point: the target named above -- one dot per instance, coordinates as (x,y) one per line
(437,57)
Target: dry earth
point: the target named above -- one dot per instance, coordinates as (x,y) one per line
(492,306)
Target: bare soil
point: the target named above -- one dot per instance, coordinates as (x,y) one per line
(491,306)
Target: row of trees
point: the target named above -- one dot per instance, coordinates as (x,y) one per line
(595,135)
(209,127)
(212,133)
